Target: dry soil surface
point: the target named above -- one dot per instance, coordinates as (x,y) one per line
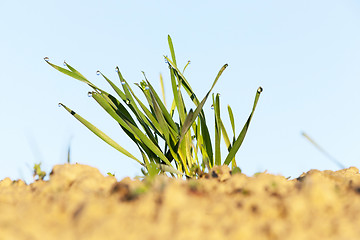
(78,202)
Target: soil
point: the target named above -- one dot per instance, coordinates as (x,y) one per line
(78,202)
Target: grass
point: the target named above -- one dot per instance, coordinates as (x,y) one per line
(188,148)
(331,158)
(38,172)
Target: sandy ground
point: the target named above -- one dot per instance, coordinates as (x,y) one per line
(80,203)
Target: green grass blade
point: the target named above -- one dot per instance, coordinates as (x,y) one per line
(151,115)
(216,104)
(127,98)
(172,51)
(200,106)
(162,122)
(231,116)
(172,109)
(177,97)
(116,89)
(145,158)
(225,135)
(117,106)
(170,169)
(164,111)
(73,75)
(242,134)
(73,69)
(165,127)
(153,123)
(174,87)
(100,134)
(189,148)
(207,142)
(134,108)
(187,64)
(184,82)
(162,88)
(227,141)
(135,130)
(117,114)
(187,123)
(140,136)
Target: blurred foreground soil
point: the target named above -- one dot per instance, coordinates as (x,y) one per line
(80,203)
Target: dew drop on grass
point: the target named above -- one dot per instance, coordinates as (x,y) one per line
(89,94)
(127,101)
(98,72)
(59,105)
(65,63)
(260,89)
(46,59)
(117,69)
(212,106)
(123,82)
(147,88)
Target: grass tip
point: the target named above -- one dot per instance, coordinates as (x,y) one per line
(46,59)
(260,89)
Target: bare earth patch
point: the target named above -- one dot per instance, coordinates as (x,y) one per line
(78,202)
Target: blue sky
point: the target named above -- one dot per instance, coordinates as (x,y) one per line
(305,54)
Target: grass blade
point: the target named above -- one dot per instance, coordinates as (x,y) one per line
(184,82)
(227,141)
(200,105)
(172,51)
(170,169)
(116,89)
(132,128)
(216,104)
(177,97)
(334,160)
(153,123)
(207,142)
(73,69)
(242,134)
(231,116)
(75,75)
(165,127)
(187,64)
(162,89)
(167,116)
(100,134)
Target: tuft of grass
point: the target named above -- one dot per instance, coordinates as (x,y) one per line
(188,148)
(38,172)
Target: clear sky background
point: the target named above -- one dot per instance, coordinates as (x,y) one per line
(305,54)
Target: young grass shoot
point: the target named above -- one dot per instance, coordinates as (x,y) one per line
(188,149)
